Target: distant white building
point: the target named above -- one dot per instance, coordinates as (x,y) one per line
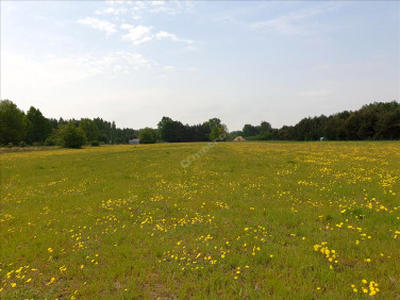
(134,141)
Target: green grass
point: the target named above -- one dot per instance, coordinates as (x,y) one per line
(242,221)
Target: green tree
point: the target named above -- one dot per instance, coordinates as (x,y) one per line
(69,136)
(334,128)
(388,126)
(165,128)
(214,122)
(113,132)
(352,126)
(219,133)
(12,123)
(90,129)
(264,127)
(250,130)
(147,135)
(171,131)
(38,127)
(265,130)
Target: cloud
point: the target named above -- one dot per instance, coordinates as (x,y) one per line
(56,71)
(133,60)
(102,25)
(169,36)
(294,23)
(139,8)
(141,34)
(110,10)
(126,26)
(313,93)
(137,35)
(157,3)
(170,7)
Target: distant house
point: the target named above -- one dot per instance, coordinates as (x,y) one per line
(239,139)
(134,141)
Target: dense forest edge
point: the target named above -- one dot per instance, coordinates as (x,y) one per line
(376,121)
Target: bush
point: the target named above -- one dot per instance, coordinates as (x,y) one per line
(69,136)
(22,144)
(95,144)
(147,136)
(50,141)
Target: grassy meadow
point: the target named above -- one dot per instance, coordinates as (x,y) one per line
(244,220)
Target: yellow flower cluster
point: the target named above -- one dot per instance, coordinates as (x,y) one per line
(370,288)
(330,254)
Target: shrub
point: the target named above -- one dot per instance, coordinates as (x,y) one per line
(147,136)
(50,141)
(95,144)
(22,144)
(69,136)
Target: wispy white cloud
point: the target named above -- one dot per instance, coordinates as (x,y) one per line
(169,36)
(41,73)
(141,34)
(295,23)
(110,10)
(120,60)
(137,9)
(170,7)
(126,26)
(137,35)
(102,25)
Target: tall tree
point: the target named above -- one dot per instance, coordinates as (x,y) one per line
(38,127)
(12,123)
(113,132)
(90,129)
(265,130)
(171,131)
(165,128)
(250,130)
(219,133)
(214,122)
(105,130)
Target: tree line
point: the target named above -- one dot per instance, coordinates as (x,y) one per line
(376,121)
(18,128)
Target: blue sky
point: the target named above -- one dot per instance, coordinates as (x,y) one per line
(244,62)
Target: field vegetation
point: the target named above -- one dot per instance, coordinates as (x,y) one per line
(252,220)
